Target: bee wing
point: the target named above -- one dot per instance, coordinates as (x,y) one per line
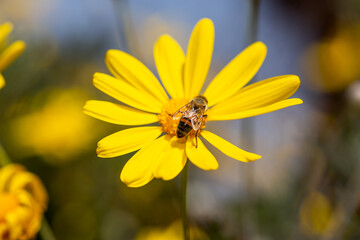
(196,120)
(181,110)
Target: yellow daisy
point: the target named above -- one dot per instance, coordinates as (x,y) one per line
(8,53)
(162,154)
(23,200)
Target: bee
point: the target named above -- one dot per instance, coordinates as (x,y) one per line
(192,116)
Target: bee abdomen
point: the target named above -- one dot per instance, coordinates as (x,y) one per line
(183,128)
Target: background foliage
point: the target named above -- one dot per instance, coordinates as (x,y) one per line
(306,186)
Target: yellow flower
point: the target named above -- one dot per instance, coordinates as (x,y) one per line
(51,129)
(23,200)
(173,232)
(10,53)
(317,215)
(333,63)
(183,77)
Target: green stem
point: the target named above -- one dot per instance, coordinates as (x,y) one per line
(184,179)
(4,158)
(45,231)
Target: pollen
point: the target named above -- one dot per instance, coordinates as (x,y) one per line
(167,121)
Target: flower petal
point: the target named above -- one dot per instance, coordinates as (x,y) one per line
(200,156)
(2,81)
(32,184)
(127,141)
(255,111)
(131,70)
(169,60)
(198,57)
(5,30)
(118,114)
(138,171)
(6,173)
(126,93)
(236,74)
(260,94)
(228,148)
(11,53)
(173,161)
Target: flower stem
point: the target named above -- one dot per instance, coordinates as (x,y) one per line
(45,230)
(4,158)
(184,179)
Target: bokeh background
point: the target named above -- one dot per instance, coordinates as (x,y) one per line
(306,186)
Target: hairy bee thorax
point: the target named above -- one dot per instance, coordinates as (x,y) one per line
(168,122)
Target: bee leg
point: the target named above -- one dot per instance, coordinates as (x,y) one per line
(198,131)
(196,137)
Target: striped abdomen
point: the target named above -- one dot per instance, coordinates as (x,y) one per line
(184,127)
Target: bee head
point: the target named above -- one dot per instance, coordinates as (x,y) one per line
(200,101)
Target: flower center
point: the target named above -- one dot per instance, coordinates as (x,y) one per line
(169,123)
(8,203)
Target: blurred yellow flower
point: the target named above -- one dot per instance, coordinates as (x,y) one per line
(333,64)
(53,130)
(183,77)
(318,216)
(23,200)
(172,232)
(8,53)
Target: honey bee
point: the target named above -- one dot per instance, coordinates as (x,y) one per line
(192,116)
